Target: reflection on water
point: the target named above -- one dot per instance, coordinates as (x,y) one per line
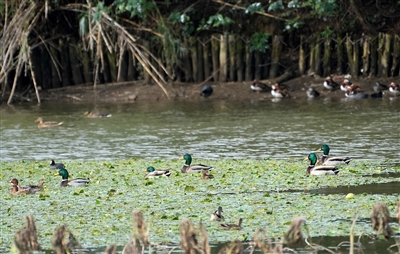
(366,129)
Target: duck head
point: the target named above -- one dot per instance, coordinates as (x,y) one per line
(188,158)
(150,169)
(64,173)
(312,158)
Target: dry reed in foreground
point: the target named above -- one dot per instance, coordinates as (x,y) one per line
(26,241)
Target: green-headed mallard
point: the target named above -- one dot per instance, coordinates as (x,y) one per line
(26,189)
(91,114)
(152,173)
(188,168)
(76,182)
(232,226)
(320,170)
(54,165)
(206,175)
(217,216)
(42,124)
(326,160)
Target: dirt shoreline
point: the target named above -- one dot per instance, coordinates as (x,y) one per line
(139,91)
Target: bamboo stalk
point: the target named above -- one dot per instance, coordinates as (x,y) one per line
(365,56)
(317,55)
(232,57)
(239,60)
(215,56)
(34,79)
(275,55)
(302,55)
(396,56)
(223,58)
(327,57)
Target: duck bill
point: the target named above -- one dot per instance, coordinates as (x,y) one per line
(57,174)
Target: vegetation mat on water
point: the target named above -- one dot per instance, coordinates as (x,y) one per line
(259,191)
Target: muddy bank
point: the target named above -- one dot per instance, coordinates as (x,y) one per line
(139,91)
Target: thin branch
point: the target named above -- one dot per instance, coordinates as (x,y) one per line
(243,8)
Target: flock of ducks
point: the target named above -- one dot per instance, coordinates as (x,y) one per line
(89,114)
(351,90)
(328,167)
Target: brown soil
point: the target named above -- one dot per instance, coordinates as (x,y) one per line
(139,91)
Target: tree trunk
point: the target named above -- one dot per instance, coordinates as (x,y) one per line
(317,55)
(248,68)
(194,58)
(87,68)
(65,73)
(75,64)
(106,68)
(302,55)
(327,57)
(123,66)
(131,72)
(239,60)
(385,41)
(146,75)
(275,55)
(47,73)
(312,57)
(349,50)
(37,66)
(206,59)
(365,56)
(200,60)
(374,57)
(396,57)
(339,55)
(55,74)
(356,60)
(258,65)
(215,56)
(223,58)
(232,56)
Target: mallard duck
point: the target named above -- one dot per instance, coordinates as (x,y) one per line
(320,170)
(91,114)
(188,168)
(257,86)
(378,87)
(206,175)
(152,173)
(47,124)
(326,160)
(312,93)
(330,84)
(217,216)
(29,188)
(54,165)
(76,182)
(17,191)
(206,91)
(394,88)
(279,91)
(232,226)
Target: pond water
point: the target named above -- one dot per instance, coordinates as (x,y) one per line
(363,129)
